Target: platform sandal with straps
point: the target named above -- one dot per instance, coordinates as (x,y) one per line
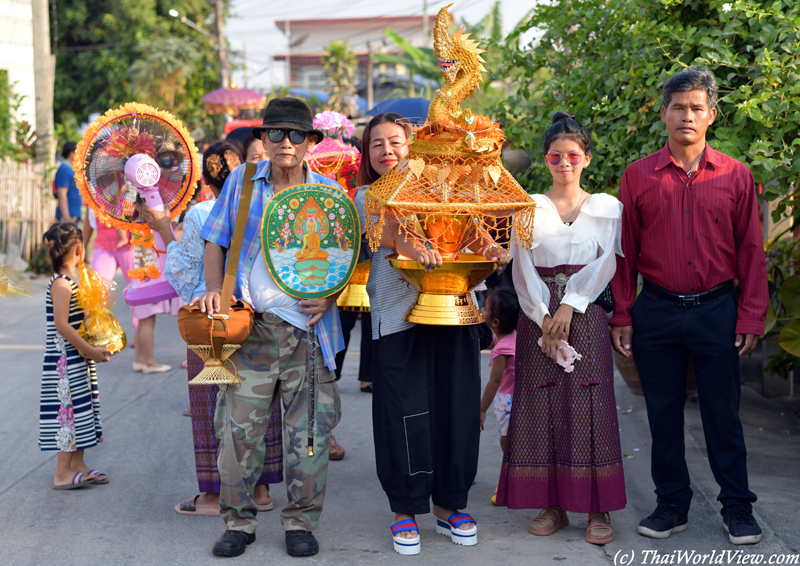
(551,524)
(603,532)
(406,546)
(449,528)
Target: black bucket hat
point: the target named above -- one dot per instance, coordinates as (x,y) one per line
(288,114)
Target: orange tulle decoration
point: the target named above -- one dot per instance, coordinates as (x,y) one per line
(97,297)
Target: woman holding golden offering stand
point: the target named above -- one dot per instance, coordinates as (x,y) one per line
(450,193)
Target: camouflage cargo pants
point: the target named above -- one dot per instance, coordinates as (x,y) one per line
(274,361)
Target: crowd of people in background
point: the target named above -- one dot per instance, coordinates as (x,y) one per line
(684,229)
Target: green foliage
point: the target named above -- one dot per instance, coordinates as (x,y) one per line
(160,73)
(501,82)
(17,139)
(490,27)
(789,338)
(420,61)
(608,59)
(98,41)
(40,261)
(783,258)
(339,67)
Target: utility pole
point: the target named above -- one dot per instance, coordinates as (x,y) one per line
(425,27)
(224,67)
(369,76)
(43,84)
(289,54)
(244,60)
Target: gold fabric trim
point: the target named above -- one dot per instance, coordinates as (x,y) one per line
(575,472)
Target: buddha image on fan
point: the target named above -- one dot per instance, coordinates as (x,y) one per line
(312,240)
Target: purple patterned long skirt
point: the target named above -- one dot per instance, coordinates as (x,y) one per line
(203,403)
(563,437)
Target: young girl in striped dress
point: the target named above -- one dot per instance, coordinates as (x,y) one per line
(69,419)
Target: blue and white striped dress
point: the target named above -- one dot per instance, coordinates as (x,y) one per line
(69,416)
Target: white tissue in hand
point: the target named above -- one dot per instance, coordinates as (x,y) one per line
(572,356)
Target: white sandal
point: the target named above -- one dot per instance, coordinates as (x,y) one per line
(449,528)
(406,546)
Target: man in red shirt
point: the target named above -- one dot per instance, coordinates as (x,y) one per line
(689,228)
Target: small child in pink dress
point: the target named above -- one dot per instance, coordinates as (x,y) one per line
(500,313)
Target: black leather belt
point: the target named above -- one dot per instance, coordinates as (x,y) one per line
(686,299)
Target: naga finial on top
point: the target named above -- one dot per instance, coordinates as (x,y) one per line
(460,61)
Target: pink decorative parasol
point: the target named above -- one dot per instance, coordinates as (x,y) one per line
(230,100)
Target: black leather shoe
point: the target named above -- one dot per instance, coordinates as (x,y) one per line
(233,543)
(301,543)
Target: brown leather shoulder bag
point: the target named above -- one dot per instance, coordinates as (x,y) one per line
(234,322)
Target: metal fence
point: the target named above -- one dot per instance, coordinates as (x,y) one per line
(27,207)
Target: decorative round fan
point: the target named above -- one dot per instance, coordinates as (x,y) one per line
(138,155)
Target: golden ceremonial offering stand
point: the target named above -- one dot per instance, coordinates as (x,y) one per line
(451,193)
(445,293)
(354,297)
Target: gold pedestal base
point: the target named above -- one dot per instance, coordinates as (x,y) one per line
(354,298)
(444,293)
(214,371)
(444,310)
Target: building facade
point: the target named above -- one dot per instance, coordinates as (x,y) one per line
(309,38)
(16,55)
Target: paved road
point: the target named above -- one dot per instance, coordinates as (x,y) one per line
(148,457)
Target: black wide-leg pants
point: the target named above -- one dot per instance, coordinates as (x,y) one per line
(665,335)
(348,320)
(426,416)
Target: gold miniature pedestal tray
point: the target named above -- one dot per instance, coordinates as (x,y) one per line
(214,371)
(444,294)
(113,343)
(354,297)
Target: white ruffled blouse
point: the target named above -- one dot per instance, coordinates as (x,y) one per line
(592,240)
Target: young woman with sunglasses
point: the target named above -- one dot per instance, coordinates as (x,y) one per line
(563,450)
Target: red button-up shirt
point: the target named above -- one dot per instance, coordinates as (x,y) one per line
(689,234)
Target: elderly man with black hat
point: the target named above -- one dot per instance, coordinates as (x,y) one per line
(272,363)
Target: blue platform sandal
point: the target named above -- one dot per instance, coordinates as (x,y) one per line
(449,528)
(406,546)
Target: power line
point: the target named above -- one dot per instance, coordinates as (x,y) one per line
(330,10)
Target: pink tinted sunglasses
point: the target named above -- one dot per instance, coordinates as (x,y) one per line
(573,157)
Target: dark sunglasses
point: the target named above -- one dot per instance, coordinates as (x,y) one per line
(276,136)
(554,157)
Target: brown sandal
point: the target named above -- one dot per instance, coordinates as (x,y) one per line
(594,525)
(189,507)
(335,450)
(555,524)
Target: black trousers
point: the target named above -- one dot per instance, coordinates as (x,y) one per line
(665,335)
(426,416)
(348,319)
